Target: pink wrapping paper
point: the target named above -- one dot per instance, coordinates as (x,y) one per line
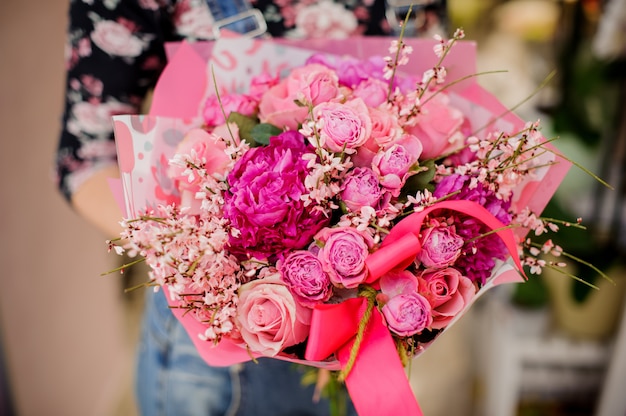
(377,384)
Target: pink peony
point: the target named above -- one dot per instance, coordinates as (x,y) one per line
(361,189)
(448,293)
(343,254)
(269,318)
(441,246)
(264,201)
(303,273)
(343,127)
(310,84)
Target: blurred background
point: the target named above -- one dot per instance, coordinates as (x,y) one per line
(550,346)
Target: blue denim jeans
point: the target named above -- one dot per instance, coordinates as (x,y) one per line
(173,380)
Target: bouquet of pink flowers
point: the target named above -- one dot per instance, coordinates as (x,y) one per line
(290,200)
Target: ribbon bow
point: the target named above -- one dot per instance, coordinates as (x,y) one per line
(376,382)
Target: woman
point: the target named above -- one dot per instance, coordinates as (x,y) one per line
(115,53)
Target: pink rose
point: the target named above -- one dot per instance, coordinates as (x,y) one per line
(441,246)
(385,131)
(439,127)
(407,314)
(448,293)
(260,84)
(268,316)
(310,84)
(393,164)
(208,148)
(303,273)
(325,19)
(373,91)
(214,109)
(116,39)
(227,131)
(343,254)
(344,127)
(361,188)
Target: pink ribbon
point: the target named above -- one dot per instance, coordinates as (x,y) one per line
(373,392)
(377,383)
(402,244)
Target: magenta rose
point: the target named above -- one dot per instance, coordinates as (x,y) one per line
(311,84)
(303,273)
(448,293)
(361,188)
(407,314)
(344,127)
(343,254)
(264,201)
(394,163)
(441,246)
(214,108)
(268,316)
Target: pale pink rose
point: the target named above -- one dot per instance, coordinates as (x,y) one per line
(116,39)
(393,164)
(439,127)
(311,84)
(344,126)
(228,132)
(360,189)
(441,245)
(268,316)
(343,254)
(407,314)
(325,19)
(373,91)
(448,293)
(214,108)
(207,147)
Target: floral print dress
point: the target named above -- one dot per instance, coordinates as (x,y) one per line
(115,53)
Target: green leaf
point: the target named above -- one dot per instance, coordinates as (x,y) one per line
(262,132)
(245,124)
(420,181)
